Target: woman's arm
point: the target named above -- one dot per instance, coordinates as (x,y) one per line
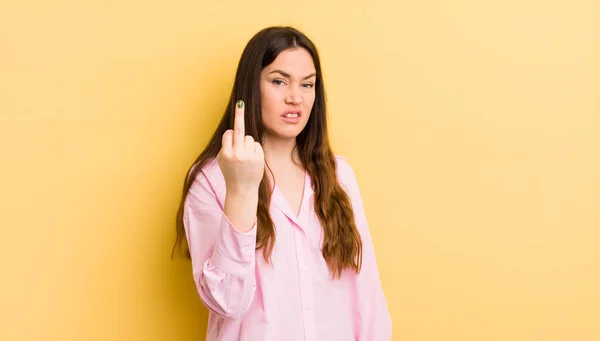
(223,255)
(372,321)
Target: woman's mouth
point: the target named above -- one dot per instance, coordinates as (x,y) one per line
(292,116)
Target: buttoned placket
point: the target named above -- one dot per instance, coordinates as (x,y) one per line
(302,248)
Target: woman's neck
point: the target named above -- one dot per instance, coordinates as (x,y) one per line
(280,152)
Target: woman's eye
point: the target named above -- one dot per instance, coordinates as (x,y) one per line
(308,85)
(277,82)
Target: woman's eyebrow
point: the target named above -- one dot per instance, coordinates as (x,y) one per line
(285,74)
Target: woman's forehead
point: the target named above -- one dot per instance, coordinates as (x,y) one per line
(294,63)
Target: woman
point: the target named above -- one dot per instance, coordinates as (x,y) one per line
(273,220)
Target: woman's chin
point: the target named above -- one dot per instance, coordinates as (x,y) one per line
(282,136)
(286,133)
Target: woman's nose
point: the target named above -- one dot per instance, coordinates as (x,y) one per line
(294,96)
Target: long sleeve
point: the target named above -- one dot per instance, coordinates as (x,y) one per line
(223,259)
(372,318)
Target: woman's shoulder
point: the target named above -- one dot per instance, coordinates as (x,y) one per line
(210,172)
(209,179)
(345,174)
(344,168)
(212,175)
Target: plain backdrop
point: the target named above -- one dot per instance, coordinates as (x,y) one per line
(473,128)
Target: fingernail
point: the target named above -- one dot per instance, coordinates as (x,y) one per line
(240,104)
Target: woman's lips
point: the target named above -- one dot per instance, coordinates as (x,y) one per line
(294,118)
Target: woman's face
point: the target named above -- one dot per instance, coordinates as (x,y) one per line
(287,93)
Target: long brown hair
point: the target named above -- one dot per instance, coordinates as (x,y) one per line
(342,246)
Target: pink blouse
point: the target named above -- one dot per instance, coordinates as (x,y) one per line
(294,299)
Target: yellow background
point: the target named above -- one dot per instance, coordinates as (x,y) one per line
(473,127)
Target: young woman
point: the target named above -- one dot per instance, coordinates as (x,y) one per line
(273,220)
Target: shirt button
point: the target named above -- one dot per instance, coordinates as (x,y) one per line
(306,268)
(248,249)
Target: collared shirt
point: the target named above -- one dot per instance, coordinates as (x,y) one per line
(295,297)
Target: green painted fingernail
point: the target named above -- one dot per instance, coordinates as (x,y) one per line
(240,104)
